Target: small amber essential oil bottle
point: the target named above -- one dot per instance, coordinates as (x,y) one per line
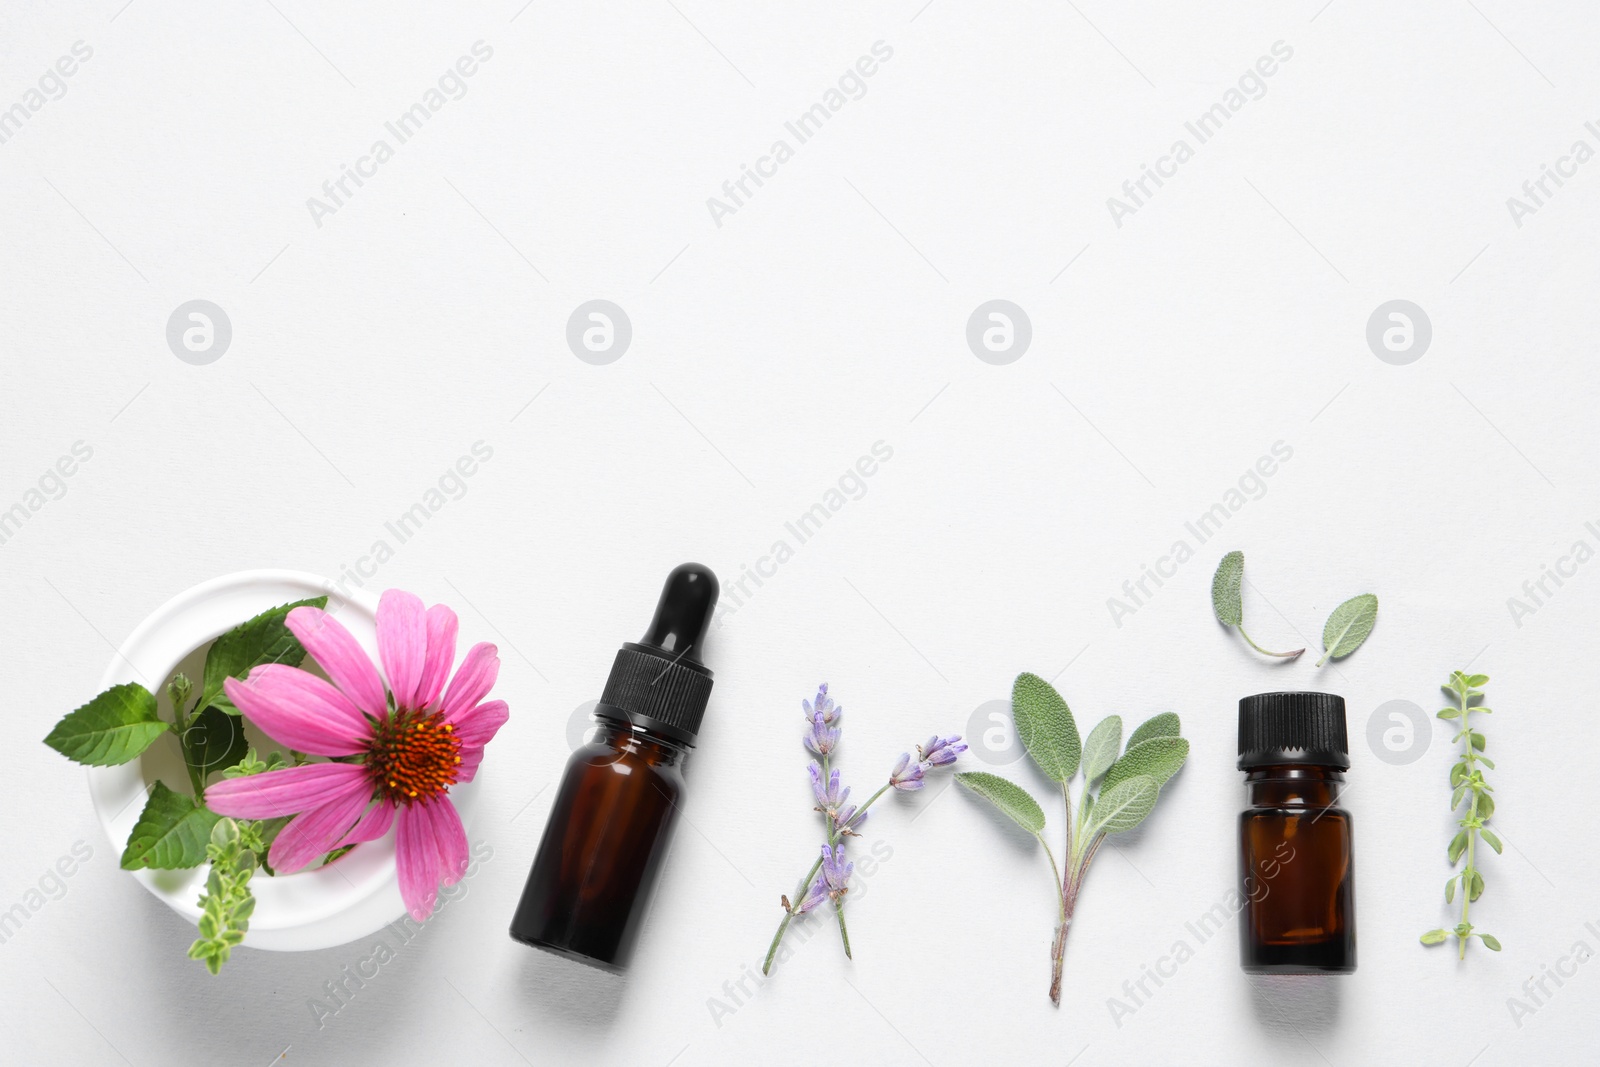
(1296,858)
(613,815)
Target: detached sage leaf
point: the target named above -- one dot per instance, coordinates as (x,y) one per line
(1158,758)
(1007,796)
(1348,626)
(263,639)
(1100,750)
(1227,601)
(112,728)
(1163,725)
(1124,805)
(171,834)
(1045,724)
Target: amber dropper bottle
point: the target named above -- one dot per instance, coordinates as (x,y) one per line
(608,831)
(1296,857)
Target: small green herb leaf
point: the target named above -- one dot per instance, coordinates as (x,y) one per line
(1044,722)
(1458,845)
(1490,942)
(1490,839)
(1435,937)
(263,639)
(1163,725)
(1348,626)
(1100,750)
(172,832)
(1226,587)
(1124,805)
(112,728)
(1007,796)
(1158,758)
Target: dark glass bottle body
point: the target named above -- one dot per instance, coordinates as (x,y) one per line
(603,847)
(1297,873)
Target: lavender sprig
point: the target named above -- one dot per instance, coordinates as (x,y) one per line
(829,876)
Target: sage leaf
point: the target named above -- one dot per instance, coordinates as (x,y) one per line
(171,834)
(1124,805)
(1158,758)
(1007,796)
(1226,590)
(1045,724)
(1163,725)
(1348,627)
(263,639)
(213,741)
(1101,748)
(112,728)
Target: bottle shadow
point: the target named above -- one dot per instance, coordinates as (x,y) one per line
(1298,1006)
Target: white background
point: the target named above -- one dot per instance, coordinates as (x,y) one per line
(769,353)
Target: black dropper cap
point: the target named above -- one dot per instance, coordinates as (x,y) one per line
(659,683)
(1277,728)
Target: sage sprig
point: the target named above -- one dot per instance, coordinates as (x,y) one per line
(1129,782)
(1227,600)
(1467,787)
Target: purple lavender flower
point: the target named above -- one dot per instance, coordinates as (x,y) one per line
(906,775)
(834,881)
(831,799)
(822,706)
(941,751)
(822,738)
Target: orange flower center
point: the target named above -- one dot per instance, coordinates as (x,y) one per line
(413,756)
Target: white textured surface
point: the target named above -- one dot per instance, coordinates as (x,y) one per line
(768,354)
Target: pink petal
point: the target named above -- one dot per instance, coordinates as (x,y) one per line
(477,727)
(300,710)
(417,859)
(337,653)
(316,831)
(402,643)
(451,838)
(373,825)
(473,681)
(467,769)
(288,791)
(441,657)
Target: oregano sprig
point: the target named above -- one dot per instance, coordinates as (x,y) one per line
(1468,787)
(1129,786)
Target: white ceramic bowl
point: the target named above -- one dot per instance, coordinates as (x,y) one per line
(321,908)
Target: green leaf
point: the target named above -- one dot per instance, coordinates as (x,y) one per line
(1158,758)
(1478,740)
(1490,839)
(1124,805)
(1348,626)
(263,639)
(1485,805)
(213,741)
(172,832)
(1450,891)
(1477,681)
(1435,937)
(1226,600)
(1100,750)
(1007,796)
(112,728)
(1490,942)
(1477,887)
(1163,725)
(1044,722)
(1450,713)
(1458,845)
